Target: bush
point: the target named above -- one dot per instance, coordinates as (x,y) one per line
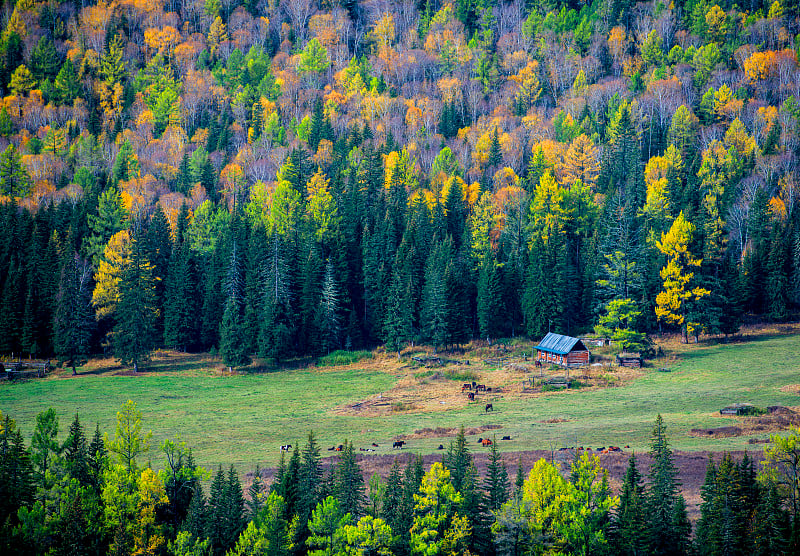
(342,357)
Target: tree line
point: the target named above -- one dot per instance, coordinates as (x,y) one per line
(93,496)
(290,179)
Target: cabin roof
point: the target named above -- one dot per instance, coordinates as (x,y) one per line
(557,343)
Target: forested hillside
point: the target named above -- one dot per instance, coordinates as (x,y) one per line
(293,177)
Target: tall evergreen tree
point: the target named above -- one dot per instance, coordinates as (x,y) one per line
(74,320)
(76,453)
(662,497)
(349,483)
(135,331)
(629,530)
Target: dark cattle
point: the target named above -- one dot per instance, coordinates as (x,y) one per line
(471,396)
(480,387)
(466,386)
(339,448)
(441,447)
(486,442)
(489,407)
(286,447)
(374,445)
(480,441)
(506,438)
(398,444)
(488,389)
(473,385)
(332,448)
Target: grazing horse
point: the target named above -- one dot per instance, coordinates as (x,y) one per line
(398,444)
(480,387)
(466,386)
(471,396)
(506,438)
(286,447)
(441,447)
(486,442)
(489,407)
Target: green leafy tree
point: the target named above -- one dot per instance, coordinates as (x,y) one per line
(371,536)
(438,528)
(313,60)
(326,526)
(44,444)
(620,323)
(130,440)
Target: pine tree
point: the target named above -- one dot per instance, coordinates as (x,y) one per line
(629,531)
(76,453)
(216,519)
(490,311)
(16,472)
(496,483)
(135,331)
(73,320)
(349,483)
(97,460)
(458,459)
(329,323)
(662,496)
(14,178)
(309,489)
(256,495)
(180,300)
(495,154)
(233,344)
(233,510)
(392,504)
(111,218)
(158,251)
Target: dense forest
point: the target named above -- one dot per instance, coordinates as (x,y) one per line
(289,178)
(86,497)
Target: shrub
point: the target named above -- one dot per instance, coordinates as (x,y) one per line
(342,357)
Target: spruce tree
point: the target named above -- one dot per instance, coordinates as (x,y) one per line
(392,505)
(256,495)
(97,460)
(458,459)
(216,520)
(629,529)
(180,300)
(135,331)
(496,483)
(76,453)
(495,154)
(233,509)
(233,342)
(662,496)
(349,483)
(16,473)
(73,320)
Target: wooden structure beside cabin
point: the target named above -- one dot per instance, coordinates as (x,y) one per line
(565,351)
(631,360)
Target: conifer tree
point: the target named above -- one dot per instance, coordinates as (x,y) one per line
(256,495)
(349,483)
(496,483)
(73,320)
(137,314)
(629,531)
(16,472)
(76,453)
(233,344)
(662,496)
(44,444)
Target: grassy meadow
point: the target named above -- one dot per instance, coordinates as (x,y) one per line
(243,418)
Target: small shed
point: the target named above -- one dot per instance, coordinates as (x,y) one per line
(562,350)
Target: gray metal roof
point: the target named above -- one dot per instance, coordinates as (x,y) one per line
(556,343)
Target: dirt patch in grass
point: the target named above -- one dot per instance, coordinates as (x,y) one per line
(718,432)
(778,419)
(445,432)
(791,389)
(554,420)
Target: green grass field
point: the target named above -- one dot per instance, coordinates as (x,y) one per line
(243,419)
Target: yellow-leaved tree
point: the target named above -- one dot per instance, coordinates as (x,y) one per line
(673,301)
(109,274)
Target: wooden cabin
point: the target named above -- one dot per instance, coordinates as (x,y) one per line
(565,351)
